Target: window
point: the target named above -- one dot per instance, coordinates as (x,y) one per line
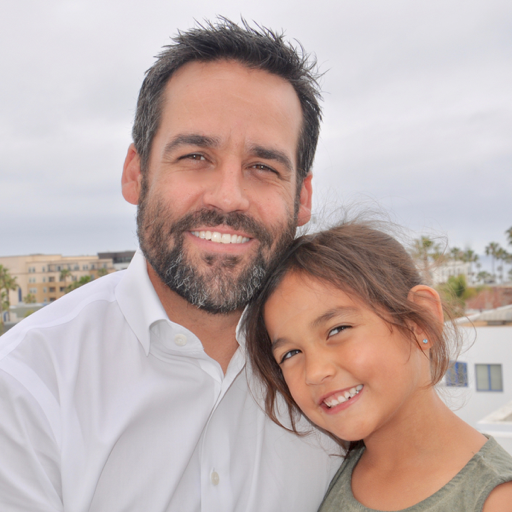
(93,266)
(52,289)
(51,279)
(43,269)
(85,267)
(457,374)
(488,377)
(32,290)
(44,290)
(76,267)
(62,289)
(44,279)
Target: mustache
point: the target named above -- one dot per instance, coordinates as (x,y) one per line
(213,218)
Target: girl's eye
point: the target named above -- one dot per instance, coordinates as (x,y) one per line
(288,355)
(337,330)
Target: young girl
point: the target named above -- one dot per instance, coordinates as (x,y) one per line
(345,332)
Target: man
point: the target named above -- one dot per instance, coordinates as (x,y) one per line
(132,394)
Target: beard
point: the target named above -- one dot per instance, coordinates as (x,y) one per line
(226,283)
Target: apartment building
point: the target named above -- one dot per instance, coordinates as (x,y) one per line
(42,276)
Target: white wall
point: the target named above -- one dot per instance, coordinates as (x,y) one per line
(493,345)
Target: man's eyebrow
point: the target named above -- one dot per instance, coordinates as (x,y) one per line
(191,139)
(272,154)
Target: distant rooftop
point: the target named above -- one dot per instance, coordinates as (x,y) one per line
(498,316)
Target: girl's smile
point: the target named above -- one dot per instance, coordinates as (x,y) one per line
(348,370)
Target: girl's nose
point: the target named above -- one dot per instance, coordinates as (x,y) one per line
(319,367)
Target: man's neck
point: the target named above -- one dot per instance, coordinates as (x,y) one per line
(216,332)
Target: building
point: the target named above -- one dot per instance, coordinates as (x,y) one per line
(46,276)
(121,259)
(451,268)
(478,387)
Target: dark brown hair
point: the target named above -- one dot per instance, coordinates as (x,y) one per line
(255,47)
(367,264)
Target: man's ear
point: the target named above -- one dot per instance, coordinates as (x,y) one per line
(305,198)
(131,179)
(427,298)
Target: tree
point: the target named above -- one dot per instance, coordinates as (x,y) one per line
(102,272)
(456,254)
(509,235)
(492,250)
(64,274)
(483,276)
(29,299)
(7,283)
(83,280)
(503,256)
(456,292)
(469,256)
(425,251)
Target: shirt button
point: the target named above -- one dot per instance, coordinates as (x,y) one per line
(180,340)
(214,477)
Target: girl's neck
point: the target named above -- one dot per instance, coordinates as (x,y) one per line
(425,429)
(428,439)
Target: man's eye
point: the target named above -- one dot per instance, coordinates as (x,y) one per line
(193,156)
(264,168)
(288,355)
(337,330)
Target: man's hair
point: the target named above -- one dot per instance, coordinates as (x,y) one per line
(256,48)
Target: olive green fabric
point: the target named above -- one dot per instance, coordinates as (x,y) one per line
(466,492)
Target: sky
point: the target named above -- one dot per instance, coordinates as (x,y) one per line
(417,112)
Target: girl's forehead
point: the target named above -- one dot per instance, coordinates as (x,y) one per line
(301,294)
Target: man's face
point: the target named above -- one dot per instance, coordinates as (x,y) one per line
(218,201)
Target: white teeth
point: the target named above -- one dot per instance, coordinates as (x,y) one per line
(343,397)
(221,238)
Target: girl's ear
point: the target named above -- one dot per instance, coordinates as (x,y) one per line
(427,298)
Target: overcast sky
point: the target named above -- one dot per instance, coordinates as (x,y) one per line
(417,111)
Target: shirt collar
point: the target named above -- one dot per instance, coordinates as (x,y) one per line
(141,306)
(139,301)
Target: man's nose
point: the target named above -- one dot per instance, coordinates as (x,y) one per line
(227,190)
(319,367)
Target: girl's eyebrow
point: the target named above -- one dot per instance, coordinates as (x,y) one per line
(340,311)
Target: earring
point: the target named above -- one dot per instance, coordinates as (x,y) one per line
(425,341)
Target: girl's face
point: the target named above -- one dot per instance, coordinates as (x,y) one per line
(349,371)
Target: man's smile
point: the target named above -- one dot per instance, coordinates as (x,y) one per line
(221,238)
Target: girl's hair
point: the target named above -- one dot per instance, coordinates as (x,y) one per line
(368,265)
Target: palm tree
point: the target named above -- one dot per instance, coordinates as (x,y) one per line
(7,283)
(64,274)
(425,251)
(469,256)
(509,235)
(503,256)
(29,299)
(456,254)
(491,250)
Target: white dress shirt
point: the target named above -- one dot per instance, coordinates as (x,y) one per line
(106,405)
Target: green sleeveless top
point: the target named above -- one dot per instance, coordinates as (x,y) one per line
(465,492)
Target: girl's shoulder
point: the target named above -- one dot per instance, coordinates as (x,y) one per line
(484,484)
(339,492)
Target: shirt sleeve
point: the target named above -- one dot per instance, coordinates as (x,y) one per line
(30,477)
